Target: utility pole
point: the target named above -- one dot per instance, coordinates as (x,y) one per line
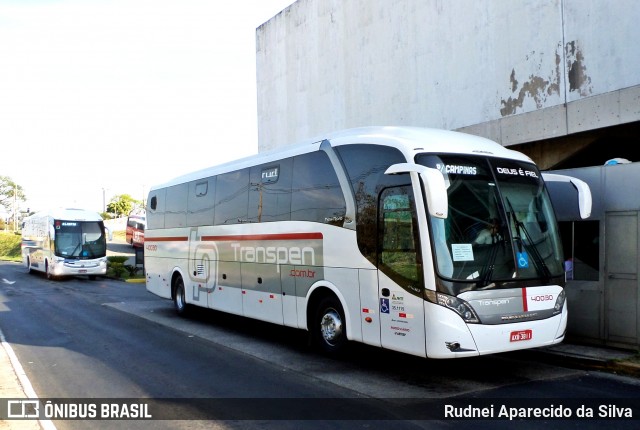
(15,218)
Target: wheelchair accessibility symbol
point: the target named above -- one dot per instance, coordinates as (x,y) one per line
(523,260)
(384,306)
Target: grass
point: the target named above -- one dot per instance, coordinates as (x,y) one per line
(119,235)
(10,246)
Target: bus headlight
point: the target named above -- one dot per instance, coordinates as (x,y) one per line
(559,302)
(457,305)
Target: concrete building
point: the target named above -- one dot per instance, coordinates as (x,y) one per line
(556,79)
(551,78)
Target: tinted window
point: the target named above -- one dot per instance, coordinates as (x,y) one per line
(316,193)
(365,166)
(580,241)
(232,194)
(176,207)
(400,256)
(155,209)
(201,202)
(270,192)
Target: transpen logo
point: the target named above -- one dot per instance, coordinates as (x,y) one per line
(294,255)
(494,302)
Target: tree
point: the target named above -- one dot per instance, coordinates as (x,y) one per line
(10,195)
(122,205)
(9,189)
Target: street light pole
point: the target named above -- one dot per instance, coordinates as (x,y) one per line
(15,219)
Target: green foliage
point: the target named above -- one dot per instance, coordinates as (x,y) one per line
(115,265)
(117,259)
(10,246)
(8,189)
(131,269)
(122,205)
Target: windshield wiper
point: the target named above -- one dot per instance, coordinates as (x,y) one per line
(496,238)
(491,261)
(538,261)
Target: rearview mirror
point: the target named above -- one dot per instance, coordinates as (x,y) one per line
(584,192)
(434,185)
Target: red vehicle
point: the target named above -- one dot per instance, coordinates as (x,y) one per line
(135,230)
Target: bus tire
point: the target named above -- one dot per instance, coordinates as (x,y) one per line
(29,269)
(329,328)
(50,276)
(179,301)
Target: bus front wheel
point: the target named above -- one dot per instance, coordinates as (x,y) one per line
(179,301)
(47,271)
(329,326)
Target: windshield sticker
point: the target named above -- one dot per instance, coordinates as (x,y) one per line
(462,251)
(523,260)
(517,172)
(474,275)
(459,170)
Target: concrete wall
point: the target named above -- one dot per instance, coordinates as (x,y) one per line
(606,309)
(512,71)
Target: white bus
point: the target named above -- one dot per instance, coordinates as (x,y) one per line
(429,242)
(64,242)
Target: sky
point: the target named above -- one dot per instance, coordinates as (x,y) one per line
(100,98)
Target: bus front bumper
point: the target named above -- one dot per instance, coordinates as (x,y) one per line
(79,267)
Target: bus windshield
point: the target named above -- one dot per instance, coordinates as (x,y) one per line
(501,226)
(80,240)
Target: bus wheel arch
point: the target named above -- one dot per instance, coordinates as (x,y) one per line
(327,321)
(178,294)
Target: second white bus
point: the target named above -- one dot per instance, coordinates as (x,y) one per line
(429,242)
(64,242)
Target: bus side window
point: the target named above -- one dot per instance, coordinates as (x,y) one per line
(176,207)
(270,191)
(155,210)
(201,201)
(316,193)
(365,165)
(232,197)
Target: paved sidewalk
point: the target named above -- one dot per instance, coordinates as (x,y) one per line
(11,387)
(611,360)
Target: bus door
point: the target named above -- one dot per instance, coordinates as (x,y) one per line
(203,258)
(400,281)
(621,277)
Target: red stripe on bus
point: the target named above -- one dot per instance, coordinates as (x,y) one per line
(524,300)
(166,239)
(281,236)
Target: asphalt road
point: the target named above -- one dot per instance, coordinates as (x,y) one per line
(78,338)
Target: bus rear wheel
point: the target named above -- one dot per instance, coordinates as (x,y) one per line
(179,301)
(329,330)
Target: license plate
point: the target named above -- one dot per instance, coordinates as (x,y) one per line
(517,336)
(82,271)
